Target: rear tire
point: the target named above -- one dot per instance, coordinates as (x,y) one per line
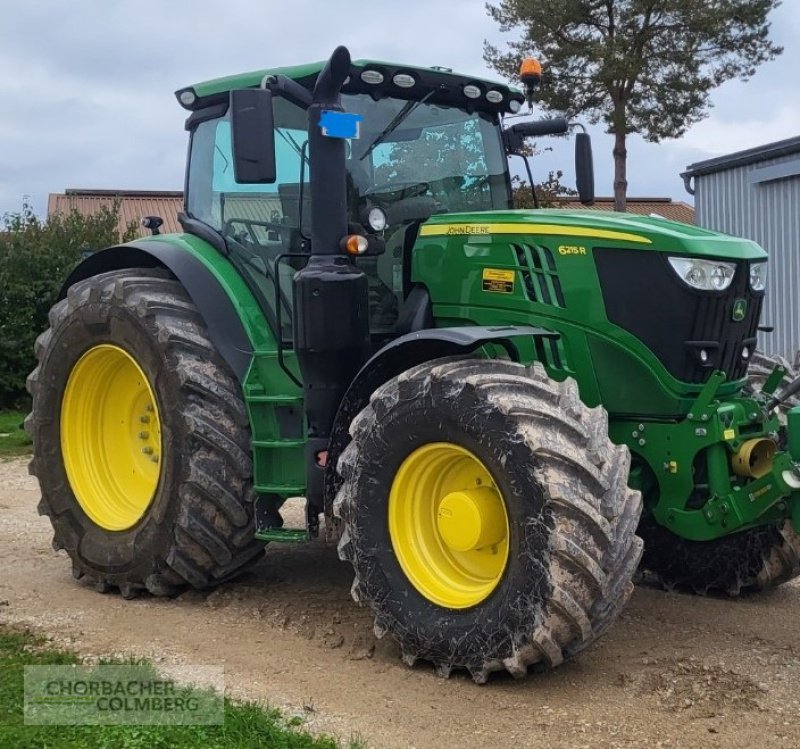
(572,544)
(198,529)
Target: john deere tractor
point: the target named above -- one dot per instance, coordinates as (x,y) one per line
(485,406)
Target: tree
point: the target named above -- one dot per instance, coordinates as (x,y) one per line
(639,66)
(35,258)
(548,193)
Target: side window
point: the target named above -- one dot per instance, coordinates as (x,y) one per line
(258,213)
(259,222)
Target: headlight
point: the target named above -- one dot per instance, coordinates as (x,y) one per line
(707,275)
(376,219)
(758,276)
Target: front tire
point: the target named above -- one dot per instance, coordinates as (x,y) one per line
(748,561)
(569,543)
(158,500)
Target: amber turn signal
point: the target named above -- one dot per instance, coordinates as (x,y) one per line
(355,244)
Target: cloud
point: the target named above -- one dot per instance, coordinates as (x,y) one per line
(86,88)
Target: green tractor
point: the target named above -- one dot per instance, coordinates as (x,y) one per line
(493,411)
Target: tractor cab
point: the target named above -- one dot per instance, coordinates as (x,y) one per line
(428,142)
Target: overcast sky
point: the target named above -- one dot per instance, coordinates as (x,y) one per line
(86,86)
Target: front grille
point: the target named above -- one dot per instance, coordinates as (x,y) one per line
(643,295)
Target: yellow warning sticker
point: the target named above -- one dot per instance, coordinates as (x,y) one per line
(729,434)
(501,281)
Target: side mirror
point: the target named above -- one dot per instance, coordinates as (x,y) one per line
(514,136)
(253,136)
(584,168)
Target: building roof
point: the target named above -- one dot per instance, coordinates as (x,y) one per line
(743,158)
(674,210)
(134,205)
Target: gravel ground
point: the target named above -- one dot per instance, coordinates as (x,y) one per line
(676,671)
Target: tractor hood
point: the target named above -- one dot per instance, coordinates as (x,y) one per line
(624,230)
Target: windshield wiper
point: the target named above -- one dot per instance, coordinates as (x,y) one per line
(395,122)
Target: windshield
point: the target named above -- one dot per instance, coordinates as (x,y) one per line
(450,157)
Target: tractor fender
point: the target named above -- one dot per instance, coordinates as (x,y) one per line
(401,354)
(215,307)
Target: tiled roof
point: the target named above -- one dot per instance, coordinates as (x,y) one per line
(674,210)
(134,205)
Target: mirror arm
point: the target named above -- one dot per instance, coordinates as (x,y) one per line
(290,90)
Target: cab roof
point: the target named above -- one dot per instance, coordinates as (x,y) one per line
(447,86)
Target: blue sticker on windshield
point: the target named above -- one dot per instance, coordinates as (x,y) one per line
(339,124)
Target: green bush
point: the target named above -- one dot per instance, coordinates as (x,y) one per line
(35,258)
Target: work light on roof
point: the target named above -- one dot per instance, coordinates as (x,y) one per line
(494,96)
(404,80)
(515,105)
(471,91)
(187,98)
(373,77)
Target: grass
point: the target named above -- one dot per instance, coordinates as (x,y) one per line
(247,725)
(13,439)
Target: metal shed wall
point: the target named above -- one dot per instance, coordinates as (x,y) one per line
(761,201)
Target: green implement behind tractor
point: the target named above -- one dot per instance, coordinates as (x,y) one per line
(495,412)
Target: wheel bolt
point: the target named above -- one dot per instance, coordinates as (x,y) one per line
(154,458)
(149,407)
(144,435)
(147,450)
(144,419)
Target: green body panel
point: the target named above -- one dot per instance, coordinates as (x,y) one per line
(706,422)
(270,395)
(611,365)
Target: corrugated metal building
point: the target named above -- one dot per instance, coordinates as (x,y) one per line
(756,194)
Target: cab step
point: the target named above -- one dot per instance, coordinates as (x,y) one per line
(284,535)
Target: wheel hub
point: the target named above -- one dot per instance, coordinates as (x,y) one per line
(111,437)
(448,525)
(471,519)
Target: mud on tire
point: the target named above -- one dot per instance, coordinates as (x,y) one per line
(198,530)
(573,547)
(748,561)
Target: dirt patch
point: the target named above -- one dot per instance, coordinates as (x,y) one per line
(705,688)
(675,671)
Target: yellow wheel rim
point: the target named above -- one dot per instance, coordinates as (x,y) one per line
(448,525)
(111,437)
